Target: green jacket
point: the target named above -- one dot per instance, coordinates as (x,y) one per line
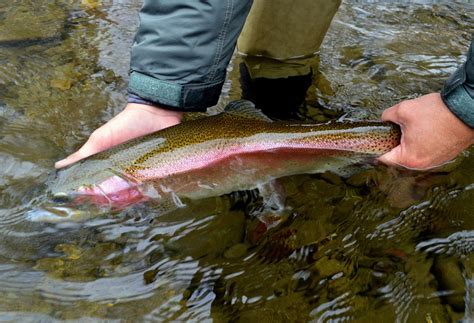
(182,49)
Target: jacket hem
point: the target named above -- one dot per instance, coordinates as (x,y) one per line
(173,96)
(460,103)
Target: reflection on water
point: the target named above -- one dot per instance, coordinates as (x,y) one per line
(381,243)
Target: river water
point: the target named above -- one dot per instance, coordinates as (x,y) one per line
(382,245)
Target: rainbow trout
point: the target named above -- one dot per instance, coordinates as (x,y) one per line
(239,149)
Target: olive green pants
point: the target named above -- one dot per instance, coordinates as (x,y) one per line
(281,37)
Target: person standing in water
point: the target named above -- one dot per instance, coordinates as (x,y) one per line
(182,49)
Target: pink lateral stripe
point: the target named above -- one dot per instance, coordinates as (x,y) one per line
(199,161)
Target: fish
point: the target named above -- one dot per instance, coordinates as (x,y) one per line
(238,149)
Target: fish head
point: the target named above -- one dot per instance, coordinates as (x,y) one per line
(88,189)
(97,183)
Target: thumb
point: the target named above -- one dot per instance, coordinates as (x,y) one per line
(85,151)
(97,142)
(390,114)
(393,157)
(71,159)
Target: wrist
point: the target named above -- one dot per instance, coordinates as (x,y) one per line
(155,110)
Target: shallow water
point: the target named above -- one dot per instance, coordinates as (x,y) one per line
(381,244)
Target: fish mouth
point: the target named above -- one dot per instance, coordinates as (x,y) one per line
(58,214)
(66,207)
(95,196)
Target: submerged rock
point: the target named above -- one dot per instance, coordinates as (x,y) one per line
(450,281)
(30,23)
(236,251)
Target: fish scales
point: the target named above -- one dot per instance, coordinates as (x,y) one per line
(222,136)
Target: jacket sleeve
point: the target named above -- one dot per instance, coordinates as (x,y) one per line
(458,91)
(181,51)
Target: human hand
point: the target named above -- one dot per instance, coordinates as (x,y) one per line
(134,121)
(431,134)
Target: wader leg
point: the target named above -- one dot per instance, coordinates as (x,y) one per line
(278,45)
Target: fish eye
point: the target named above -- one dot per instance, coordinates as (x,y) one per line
(61,197)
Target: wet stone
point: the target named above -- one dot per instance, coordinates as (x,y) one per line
(401,192)
(377,72)
(328,267)
(64,77)
(236,251)
(352,54)
(345,207)
(109,76)
(450,279)
(32,22)
(323,188)
(384,266)
(61,84)
(322,84)
(331,114)
(387,312)
(149,276)
(53,266)
(90,4)
(71,252)
(210,240)
(331,178)
(430,313)
(290,185)
(362,178)
(338,285)
(320,118)
(286,308)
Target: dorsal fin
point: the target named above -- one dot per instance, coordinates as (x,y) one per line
(246,109)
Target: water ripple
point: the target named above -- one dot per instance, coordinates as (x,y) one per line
(416,218)
(457,244)
(400,293)
(334,309)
